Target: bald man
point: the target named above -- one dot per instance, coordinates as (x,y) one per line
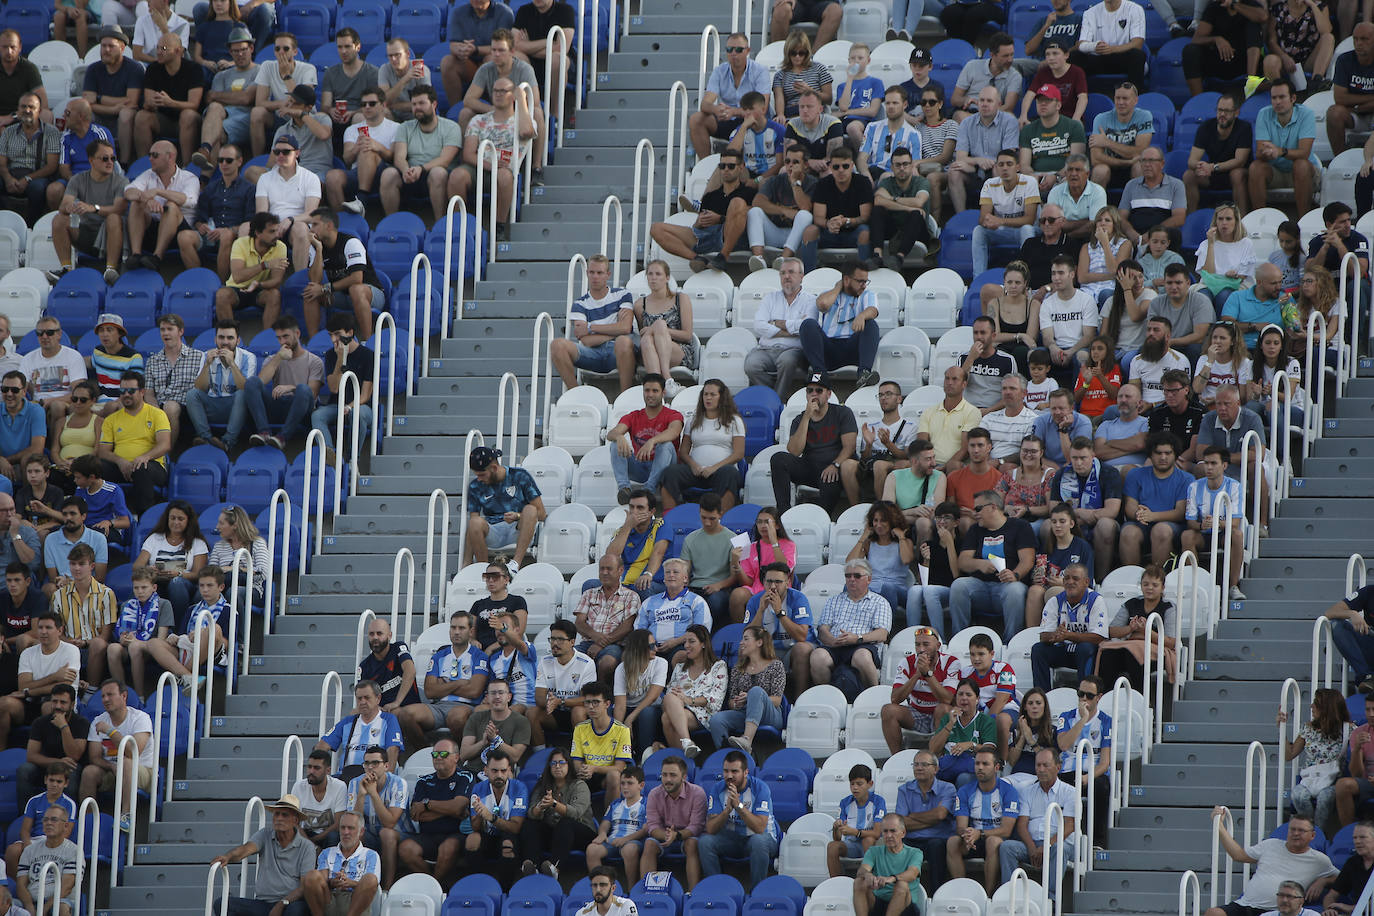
(165,194)
(172,90)
(73,159)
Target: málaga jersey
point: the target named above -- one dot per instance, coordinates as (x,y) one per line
(364,861)
(626,818)
(1000,678)
(985,810)
(446,666)
(514,801)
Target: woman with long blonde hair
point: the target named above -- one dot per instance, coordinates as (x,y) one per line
(640,679)
(799,71)
(1098,260)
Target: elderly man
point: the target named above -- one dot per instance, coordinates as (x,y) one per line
(349,874)
(926,679)
(29,153)
(1352,89)
(889,871)
(1078,198)
(422,155)
(1254,308)
(1012,423)
(979,140)
(58,889)
(1277,861)
(1152,198)
(852,629)
(1285,132)
(668,614)
(1120,441)
(112,87)
(223,214)
(926,806)
(720,113)
(995,564)
(74,159)
(1344,891)
(778,361)
(437,808)
(231,96)
(166,195)
(820,440)
(96,197)
(1220,153)
(1074,622)
(1034,836)
(606,613)
(470,30)
(285,857)
(504,507)
(108,731)
(172,91)
(134,443)
(356,734)
(1060,426)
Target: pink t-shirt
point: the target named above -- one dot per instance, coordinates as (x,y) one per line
(752,567)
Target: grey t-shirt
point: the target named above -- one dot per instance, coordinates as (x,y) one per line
(1196,310)
(342,86)
(280,870)
(386,78)
(514,730)
(102,193)
(778,190)
(235,80)
(709,555)
(38,853)
(421,147)
(316,155)
(486,75)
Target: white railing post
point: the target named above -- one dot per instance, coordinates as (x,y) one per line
(254,805)
(1121,759)
(1278,487)
(710,36)
(1290,701)
(1347,365)
(485,147)
(543,337)
(313,440)
(1250,534)
(421,330)
(331,679)
(405,559)
(51,870)
(1189,894)
(1218,853)
(123,770)
(242,559)
(679,108)
(216,870)
(1186,560)
(360,633)
(1054,860)
(350,378)
(453,316)
(560,38)
(1356,562)
(1083,753)
(383,320)
(202,624)
(271,592)
(438,498)
(508,381)
(608,206)
(1314,375)
(1256,758)
(1020,893)
(88,824)
(291,749)
(1154,624)
(644,177)
(168,680)
(1223,503)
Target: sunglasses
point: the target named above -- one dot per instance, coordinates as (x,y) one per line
(855,575)
(225,160)
(371,104)
(492,575)
(930,101)
(123,390)
(842,166)
(74,400)
(558,763)
(1086,695)
(729,165)
(440,755)
(48,332)
(798,54)
(1049,219)
(731,49)
(11,389)
(104,158)
(282,152)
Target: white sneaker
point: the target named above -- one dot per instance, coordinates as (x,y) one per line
(690,749)
(353,206)
(756,263)
(1237,594)
(672,388)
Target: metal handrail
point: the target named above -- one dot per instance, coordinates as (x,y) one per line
(169,680)
(1082,852)
(1323,643)
(1121,759)
(1223,503)
(508,381)
(270,591)
(340,418)
(1290,691)
(1186,559)
(679,107)
(710,36)
(644,177)
(454,315)
(404,558)
(331,677)
(1250,533)
(1229,820)
(1283,458)
(1255,800)
(1355,561)
(383,320)
(1189,890)
(431,597)
(543,324)
(1346,361)
(127,741)
(558,37)
(1054,827)
(1019,880)
(242,557)
(360,635)
(1152,623)
(1314,374)
(483,148)
(41,899)
(291,749)
(313,440)
(255,804)
(609,205)
(215,870)
(89,814)
(524,162)
(201,624)
(423,329)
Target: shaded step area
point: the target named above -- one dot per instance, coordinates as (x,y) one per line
(357,545)
(1278,656)
(1233,691)
(1258,713)
(328,605)
(1111,891)
(1305,506)
(1276,562)
(1286,630)
(1283,666)
(1287,604)
(404,444)
(291,664)
(1344,486)
(1323,542)
(347,565)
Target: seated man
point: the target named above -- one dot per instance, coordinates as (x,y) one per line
(285,858)
(172,371)
(985,812)
(341,277)
(603,336)
(108,731)
(643,445)
(422,156)
(668,614)
(847,332)
(346,355)
(561,672)
(1075,622)
(1352,89)
(58,738)
(926,807)
(508,126)
(784,612)
(370,726)
(470,30)
(96,197)
(367,149)
(217,394)
(1220,153)
(840,210)
(675,815)
(1156,500)
(887,446)
(902,212)
(454,685)
(1203,522)
(437,809)
(1118,137)
(946,425)
(275,80)
(230,104)
(401,76)
(1094,490)
(62,543)
(826,14)
(995,69)
(323,800)
(925,682)
(310,128)
(81,132)
(1112,40)
(1010,425)
(814,130)
(721,220)
(739,821)
(1285,132)
(1008,203)
(813,457)
(884,136)
(166,195)
(58,886)
(778,359)
(606,613)
(709,553)
(995,564)
(496,812)
(1227,44)
(889,870)
(391,666)
(223,214)
(501,61)
(1254,308)
(349,874)
(30,150)
(288,191)
(1069,319)
(134,443)
(978,141)
(782,209)
(172,90)
(852,629)
(641,545)
(380,797)
(295,375)
(504,507)
(23,432)
(257,269)
(1034,838)
(1120,441)
(1088,722)
(112,86)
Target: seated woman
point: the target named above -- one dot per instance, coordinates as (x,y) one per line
(1289,257)
(559,818)
(1322,740)
(1065,547)
(237,532)
(1025,487)
(769,545)
(1317,293)
(1226,260)
(177,553)
(754,694)
(886,546)
(664,319)
(640,679)
(1272,358)
(1123,315)
(961,731)
(1123,653)
(1099,259)
(711,450)
(77,433)
(695,692)
(1016,320)
(1034,730)
(487,613)
(1226,362)
(927,599)
(210,48)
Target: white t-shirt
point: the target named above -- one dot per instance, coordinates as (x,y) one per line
(164,556)
(269,76)
(320,814)
(1009,203)
(656,673)
(1277,864)
(46,374)
(1066,317)
(286,197)
(384,133)
(902,433)
(1151,375)
(565,681)
(136,722)
(1219,374)
(33,661)
(619,906)
(146,32)
(712,442)
(1007,432)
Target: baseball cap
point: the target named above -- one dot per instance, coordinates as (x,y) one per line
(820,378)
(482,457)
(1050,92)
(920,56)
(304,94)
(288,139)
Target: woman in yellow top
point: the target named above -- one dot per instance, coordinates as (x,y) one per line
(78,432)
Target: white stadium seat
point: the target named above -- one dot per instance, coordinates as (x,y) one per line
(901,357)
(567,537)
(949,350)
(770,56)
(685,403)
(415,894)
(628,401)
(832,780)
(577,421)
(896,773)
(1338,182)
(915,404)
(41,254)
(822,279)
(935,300)
(802,852)
(847,530)
(752,289)
(888,287)
(809,528)
(1062,699)
(723,356)
(758,481)
(541,585)
(822,585)
(864,728)
(552,469)
(863,403)
(900,646)
(572,592)
(959,897)
(834,56)
(958,643)
(1017,652)
(712,293)
(834,895)
(700,175)
(817,721)
(594,483)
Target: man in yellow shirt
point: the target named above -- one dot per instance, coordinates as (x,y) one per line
(946,424)
(600,745)
(257,269)
(134,443)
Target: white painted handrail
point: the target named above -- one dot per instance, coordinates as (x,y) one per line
(405,560)
(1054,860)
(1356,562)
(1219,819)
(1283,448)
(243,560)
(216,870)
(454,315)
(706,62)
(1083,753)
(474,439)
(1119,771)
(1347,360)
(543,338)
(1019,894)
(1314,374)
(1256,804)
(1222,503)
(422,330)
(511,383)
(524,165)
(350,378)
(1189,894)
(202,626)
(1323,644)
(327,722)
(679,107)
(560,38)
(644,178)
(88,824)
(483,149)
(314,440)
(383,320)
(1154,624)
(51,870)
(291,749)
(274,594)
(360,646)
(1290,701)
(168,680)
(123,771)
(438,499)
(253,806)
(1186,560)
(611,205)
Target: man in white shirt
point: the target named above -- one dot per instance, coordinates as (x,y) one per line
(1012,423)
(276,78)
(602,330)
(1009,202)
(166,194)
(159,20)
(1112,40)
(289,192)
(604,902)
(323,798)
(1155,358)
(1028,844)
(107,733)
(50,662)
(558,684)
(52,369)
(1068,321)
(778,361)
(366,148)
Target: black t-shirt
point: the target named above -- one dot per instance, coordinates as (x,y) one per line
(1229,25)
(537,24)
(482,608)
(1218,150)
(17,620)
(815,148)
(178,85)
(846,202)
(1184,425)
(717,201)
(360,362)
(1356,243)
(1038,255)
(1007,542)
(1352,879)
(823,435)
(388,673)
(1363,602)
(940,571)
(49,736)
(431,788)
(341,259)
(13,86)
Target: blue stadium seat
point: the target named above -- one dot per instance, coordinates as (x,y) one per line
(121,582)
(76,307)
(1166,71)
(709,772)
(191,294)
(149,519)
(86,343)
(376,56)
(790,787)
(325,56)
(1097,104)
(1195,228)
(368,17)
(139,166)
(311,21)
(205,340)
(385,343)
(209,520)
(1176,162)
(1025,16)
(1156,29)
(761,409)
(434,243)
(29,342)
(255,476)
(31,19)
(289,533)
(136,297)
(952,51)
(725,642)
(400,301)
(956,242)
(778,895)
(972,307)
(198,477)
(264,344)
(534,895)
(603,30)
(1342,845)
(320,344)
(668,900)
(716,887)
(1250,108)
(741,518)
(392,250)
(1162,108)
(653,766)
(534,767)
(149,342)
(1196,110)
(355,224)
(682,520)
(295,481)
(419,23)
(473,895)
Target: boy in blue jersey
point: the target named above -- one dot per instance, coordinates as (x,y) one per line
(56,782)
(143,619)
(624,827)
(856,829)
(1202,524)
(348,876)
(759,138)
(985,812)
(106,510)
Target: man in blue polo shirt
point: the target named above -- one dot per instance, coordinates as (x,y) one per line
(58,545)
(23,428)
(926,806)
(668,614)
(1156,499)
(1285,133)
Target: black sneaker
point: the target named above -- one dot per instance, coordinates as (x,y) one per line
(201,157)
(717,262)
(537,178)
(133,262)
(622,496)
(698,264)
(151,262)
(55,275)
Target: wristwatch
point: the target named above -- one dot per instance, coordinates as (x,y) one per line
(739,805)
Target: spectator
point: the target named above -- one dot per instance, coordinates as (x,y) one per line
(142,618)
(1074,623)
(499,607)
(1157,258)
(1157,358)
(1156,501)
(985,812)
(670,614)
(217,394)
(1047,142)
(887,446)
(509,125)
(842,204)
(623,831)
(1322,738)
(81,131)
(643,444)
(1278,864)
(778,359)
(29,152)
(948,423)
(786,13)
(696,692)
(54,848)
(994,70)
(720,222)
(856,829)
(1343,891)
(497,811)
(53,795)
(1101,258)
(1059,33)
(57,739)
(346,355)
(21,546)
(390,666)
(437,808)
(380,798)
(232,91)
(1119,137)
(1068,322)
(495,726)
(1226,363)
(18,75)
(602,330)
(23,431)
(1285,132)
(342,86)
(606,614)
(1059,426)
(739,821)
(1079,200)
(289,192)
(781,210)
(1120,441)
(1220,154)
(156,19)
(340,277)
(59,545)
(110,357)
(939,554)
(664,320)
(40,499)
(886,135)
(237,532)
(1227,43)
(1226,425)
(859,100)
(939,134)
(1086,723)
(561,674)
(759,137)
(1352,88)
(108,731)
(786,612)
(675,817)
(50,661)
(600,745)
(355,733)
(1271,359)
(1112,40)
(1152,198)
(296,375)
(1225,259)
(916,490)
(1124,313)
(1032,825)
(175,553)
(1015,335)
(995,564)
(1330,247)
(559,817)
(640,546)
(275,80)
(500,62)
(1353,789)
(470,31)
(504,507)
(852,630)
(134,443)
(1008,203)
(1099,381)
(722,110)
(402,75)
(349,873)
(979,474)
(285,857)
(754,693)
(980,141)
(847,330)
(1252,309)
(903,199)
(819,441)
(99,231)
(172,93)
(1034,733)
(710,450)
(1039,253)
(925,682)
(367,149)
(1123,655)
(532,27)
(88,607)
(310,128)
(113,87)
(1023,483)
(224,213)
(926,807)
(639,682)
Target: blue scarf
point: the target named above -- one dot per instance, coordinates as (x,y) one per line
(1090,496)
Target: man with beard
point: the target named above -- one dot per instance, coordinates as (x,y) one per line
(423,153)
(604,902)
(29,153)
(456,680)
(1156,357)
(322,799)
(494,725)
(112,88)
(1094,490)
(390,665)
(498,807)
(515,663)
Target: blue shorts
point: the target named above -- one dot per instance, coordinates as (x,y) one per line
(612,650)
(499,534)
(342,300)
(351,180)
(1177,526)
(853,849)
(236,124)
(709,240)
(613,853)
(600,358)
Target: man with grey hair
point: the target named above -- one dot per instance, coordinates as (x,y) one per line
(1278,862)
(995,566)
(926,807)
(777,362)
(1074,622)
(57,848)
(852,629)
(1029,843)
(889,870)
(1342,894)
(1078,196)
(1012,423)
(668,614)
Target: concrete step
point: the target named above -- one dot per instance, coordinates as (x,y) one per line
(343,663)
(185,897)
(1184,753)
(1259,712)
(1281,600)
(1188,794)
(1230,691)
(1283,558)
(1324,529)
(239,790)
(328,605)
(282,722)
(1215,734)
(178,831)
(306,703)
(179,854)
(1264,630)
(1276,669)
(1344,486)
(1239,650)
(1146,820)
(1307,506)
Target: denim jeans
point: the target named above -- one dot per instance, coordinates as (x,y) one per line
(1007,236)
(646,727)
(761,849)
(181,594)
(759,708)
(970,595)
(204,409)
(266,409)
(326,419)
(1045,657)
(631,470)
(246,906)
(926,604)
(1356,649)
(830,353)
(763,231)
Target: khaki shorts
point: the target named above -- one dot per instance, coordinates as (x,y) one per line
(1284,178)
(340,902)
(145,780)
